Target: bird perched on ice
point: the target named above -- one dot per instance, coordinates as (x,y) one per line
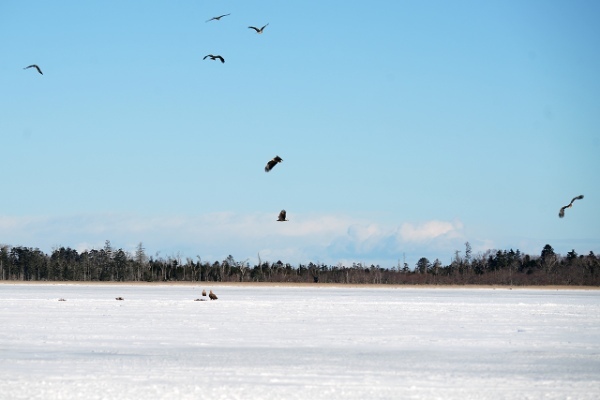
(561,213)
(212,296)
(217,18)
(214,57)
(259,31)
(282,215)
(36,67)
(273,163)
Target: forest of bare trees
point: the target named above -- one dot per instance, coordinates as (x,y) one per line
(494,267)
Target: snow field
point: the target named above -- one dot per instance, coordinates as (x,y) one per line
(312,342)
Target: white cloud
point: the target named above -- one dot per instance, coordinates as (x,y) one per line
(430,230)
(318,238)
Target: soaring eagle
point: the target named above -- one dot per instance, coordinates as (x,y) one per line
(212,295)
(561,213)
(259,31)
(282,215)
(214,57)
(36,67)
(217,18)
(273,163)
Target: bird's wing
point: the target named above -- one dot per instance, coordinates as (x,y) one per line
(252,27)
(270,165)
(577,198)
(36,67)
(561,213)
(282,215)
(208,20)
(263,27)
(205,57)
(220,58)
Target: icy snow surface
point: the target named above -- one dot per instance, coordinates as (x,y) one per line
(297,343)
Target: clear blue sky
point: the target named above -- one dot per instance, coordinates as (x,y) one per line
(406,128)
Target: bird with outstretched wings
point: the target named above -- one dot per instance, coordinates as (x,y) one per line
(36,67)
(217,57)
(217,18)
(259,31)
(561,213)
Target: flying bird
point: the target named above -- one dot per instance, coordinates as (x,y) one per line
(259,31)
(36,67)
(282,215)
(273,163)
(214,57)
(561,213)
(119,298)
(212,295)
(217,18)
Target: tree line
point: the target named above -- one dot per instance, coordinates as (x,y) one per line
(493,267)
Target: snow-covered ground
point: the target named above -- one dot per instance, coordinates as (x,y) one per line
(297,343)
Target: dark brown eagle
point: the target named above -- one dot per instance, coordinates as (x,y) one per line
(217,18)
(282,215)
(259,31)
(36,67)
(276,160)
(561,213)
(212,296)
(214,57)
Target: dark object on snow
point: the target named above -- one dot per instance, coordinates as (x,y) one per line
(212,295)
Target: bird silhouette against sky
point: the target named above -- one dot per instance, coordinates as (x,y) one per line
(282,215)
(273,163)
(36,67)
(214,57)
(561,213)
(217,18)
(259,31)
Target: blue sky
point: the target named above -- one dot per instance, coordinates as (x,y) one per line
(406,128)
